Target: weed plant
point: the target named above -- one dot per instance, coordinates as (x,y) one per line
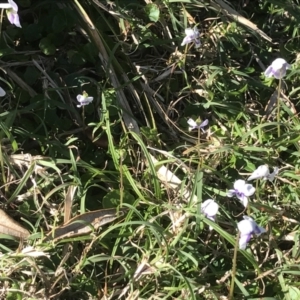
(108,110)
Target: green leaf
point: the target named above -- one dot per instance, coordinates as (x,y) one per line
(46,46)
(31,75)
(152,11)
(294,293)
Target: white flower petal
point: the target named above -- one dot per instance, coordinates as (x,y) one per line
(239,184)
(83,100)
(272,175)
(192,123)
(189,32)
(249,226)
(209,208)
(80,98)
(279,63)
(246,226)
(248,190)
(13,5)
(260,172)
(2,92)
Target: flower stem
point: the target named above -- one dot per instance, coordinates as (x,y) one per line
(199,149)
(83,122)
(233,271)
(278,106)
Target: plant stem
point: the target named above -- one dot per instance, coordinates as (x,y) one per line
(278,106)
(233,271)
(199,149)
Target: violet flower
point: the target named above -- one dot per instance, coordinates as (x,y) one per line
(84,99)
(242,191)
(248,227)
(194,125)
(262,172)
(277,68)
(191,35)
(12,12)
(209,208)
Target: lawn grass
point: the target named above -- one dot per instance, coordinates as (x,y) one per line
(105,201)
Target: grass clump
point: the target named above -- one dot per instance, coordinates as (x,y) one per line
(125,126)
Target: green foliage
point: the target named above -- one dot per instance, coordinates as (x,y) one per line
(152,11)
(118,151)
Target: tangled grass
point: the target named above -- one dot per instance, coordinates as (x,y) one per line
(104,201)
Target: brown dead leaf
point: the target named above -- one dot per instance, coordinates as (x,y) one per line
(68,202)
(11,227)
(85,223)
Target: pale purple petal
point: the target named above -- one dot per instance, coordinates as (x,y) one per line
(189,32)
(191,35)
(89,99)
(186,40)
(244,239)
(269,72)
(278,74)
(197,43)
(2,92)
(203,124)
(13,18)
(272,175)
(247,227)
(241,191)
(243,199)
(17,21)
(278,68)
(231,193)
(259,230)
(260,172)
